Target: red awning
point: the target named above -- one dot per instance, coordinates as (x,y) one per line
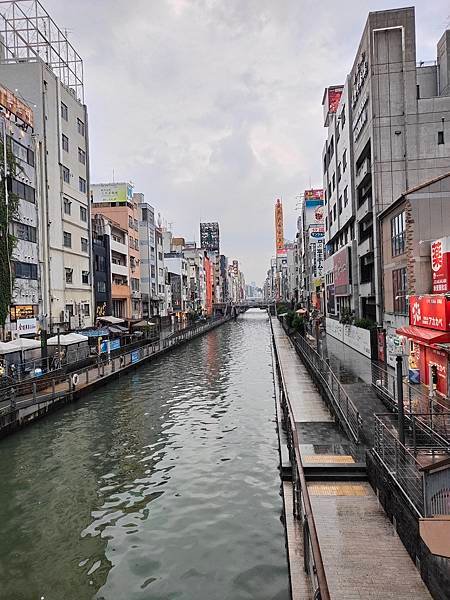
(422,334)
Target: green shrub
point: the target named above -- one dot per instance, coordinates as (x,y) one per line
(298,323)
(365,324)
(289,318)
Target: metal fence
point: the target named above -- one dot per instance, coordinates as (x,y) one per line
(343,406)
(428,492)
(313,562)
(414,402)
(399,461)
(41,391)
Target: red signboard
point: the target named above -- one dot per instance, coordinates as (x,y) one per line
(313,194)
(440,265)
(334,96)
(431,311)
(431,356)
(341,270)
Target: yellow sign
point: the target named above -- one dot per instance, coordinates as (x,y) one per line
(23,311)
(279,229)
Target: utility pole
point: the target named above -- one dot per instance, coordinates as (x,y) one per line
(400,406)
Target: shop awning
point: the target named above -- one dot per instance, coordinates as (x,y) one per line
(422,334)
(67,340)
(111,319)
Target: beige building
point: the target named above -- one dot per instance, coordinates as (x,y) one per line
(407,229)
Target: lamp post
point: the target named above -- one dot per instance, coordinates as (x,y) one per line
(400,406)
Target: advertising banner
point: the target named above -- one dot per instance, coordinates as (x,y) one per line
(341,270)
(279,228)
(25,326)
(440,265)
(334,96)
(112,192)
(431,311)
(15,106)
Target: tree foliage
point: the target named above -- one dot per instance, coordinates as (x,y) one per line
(8,213)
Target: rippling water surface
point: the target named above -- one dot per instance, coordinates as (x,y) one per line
(160,485)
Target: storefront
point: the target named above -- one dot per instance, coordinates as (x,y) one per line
(429,327)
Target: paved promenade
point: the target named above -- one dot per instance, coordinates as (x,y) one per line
(363,557)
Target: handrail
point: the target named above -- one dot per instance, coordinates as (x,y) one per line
(124,359)
(349,413)
(320,574)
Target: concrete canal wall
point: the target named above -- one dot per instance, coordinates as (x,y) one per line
(23,409)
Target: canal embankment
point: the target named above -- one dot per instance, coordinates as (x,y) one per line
(30,400)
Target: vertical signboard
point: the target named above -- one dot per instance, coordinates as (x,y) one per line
(279,228)
(440,265)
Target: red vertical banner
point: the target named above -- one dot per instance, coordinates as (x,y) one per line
(440,265)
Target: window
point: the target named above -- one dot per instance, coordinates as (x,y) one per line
(69,275)
(66,174)
(81,156)
(343,118)
(86,309)
(136,244)
(399,288)
(329,191)
(101,287)
(136,225)
(334,181)
(334,212)
(22,152)
(130,222)
(82,184)
(100,263)
(344,161)
(83,214)
(85,277)
(67,241)
(152,271)
(160,256)
(84,245)
(340,204)
(23,191)
(25,232)
(161,273)
(398,234)
(326,223)
(69,310)
(331,219)
(80,126)
(65,143)
(64,112)
(346,195)
(134,284)
(144,214)
(339,172)
(131,242)
(24,270)
(440,137)
(67,206)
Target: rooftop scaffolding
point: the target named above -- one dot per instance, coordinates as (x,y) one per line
(28,33)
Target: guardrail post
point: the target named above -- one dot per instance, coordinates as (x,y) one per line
(53,388)
(34,391)
(113,365)
(87,375)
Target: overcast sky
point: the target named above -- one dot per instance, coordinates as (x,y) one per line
(212,108)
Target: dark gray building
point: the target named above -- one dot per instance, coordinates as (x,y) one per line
(209,236)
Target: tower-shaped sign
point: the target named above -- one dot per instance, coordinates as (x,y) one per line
(279,228)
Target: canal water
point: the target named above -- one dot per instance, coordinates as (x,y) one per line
(162,485)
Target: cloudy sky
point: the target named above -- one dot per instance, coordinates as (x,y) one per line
(213,107)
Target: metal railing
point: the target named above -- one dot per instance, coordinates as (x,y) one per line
(34,392)
(313,562)
(399,461)
(415,402)
(406,463)
(345,410)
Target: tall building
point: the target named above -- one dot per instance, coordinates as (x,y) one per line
(38,61)
(21,261)
(311,240)
(209,236)
(115,202)
(102,263)
(147,242)
(391,122)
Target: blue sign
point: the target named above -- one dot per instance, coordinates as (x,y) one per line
(135,356)
(113,345)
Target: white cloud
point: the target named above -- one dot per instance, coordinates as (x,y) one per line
(213,107)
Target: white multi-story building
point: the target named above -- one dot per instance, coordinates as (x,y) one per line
(148,270)
(55,89)
(16,121)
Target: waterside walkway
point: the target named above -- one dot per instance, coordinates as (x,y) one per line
(362,556)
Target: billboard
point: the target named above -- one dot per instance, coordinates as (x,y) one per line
(209,236)
(334,96)
(112,192)
(341,271)
(14,105)
(432,311)
(279,228)
(314,214)
(440,265)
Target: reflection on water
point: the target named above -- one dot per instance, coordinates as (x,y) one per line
(161,485)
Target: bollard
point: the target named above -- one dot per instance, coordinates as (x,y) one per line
(34,391)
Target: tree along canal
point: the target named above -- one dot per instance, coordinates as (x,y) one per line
(163,484)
